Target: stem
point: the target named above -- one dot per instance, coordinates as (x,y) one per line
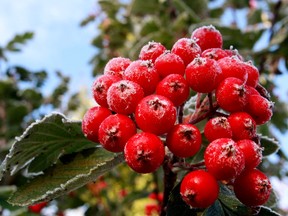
(190,167)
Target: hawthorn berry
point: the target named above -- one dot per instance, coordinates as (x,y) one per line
(114,132)
(216,128)
(37,208)
(169,63)
(224,159)
(231,95)
(207,37)
(252,153)
(100,88)
(253,74)
(175,88)
(116,66)
(143,73)
(184,140)
(92,120)
(214,53)
(144,152)
(187,49)
(199,189)
(151,51)
(123,96)
(252,187)
(155,114)
(243,126)
(201,74)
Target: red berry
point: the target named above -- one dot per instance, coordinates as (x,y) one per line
(207,37)
(143,73)
(116,66)
(114,132)
(123,96)
(214,53)
(151,51)
(251,91)
(234,52)
(100,88)
(184,140)
(144,152)
(169,63)
(199,189)
(243,126)
(252,153)
(175,88)
(91,121)
(155,114)
(216,128)
(224,159)
(201,74)
(231,67)
(253,74)
(231,95)
(252,187)
(259,108)
(152,209)
(187,49)
(36,208)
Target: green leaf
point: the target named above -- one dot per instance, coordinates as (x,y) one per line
(265,211)
(13,45)
(215,209)
(269,144)
(43,143)
(83,168)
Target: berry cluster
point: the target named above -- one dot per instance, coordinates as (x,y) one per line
(140,113)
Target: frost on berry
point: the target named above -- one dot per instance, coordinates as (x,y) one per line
(155,114)
(144,152)
(201,74)
(252,187)
(143,73)
(199,189)
(123,96)
(151,51)
(187,49)
(224,159)
(207,37)
(253,74)
(116,66)
(214,53)
(184,140)
(216,128)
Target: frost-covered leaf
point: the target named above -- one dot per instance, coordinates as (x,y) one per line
(265,211)
(66,176)
(270,145)
(215,209)
(43,143)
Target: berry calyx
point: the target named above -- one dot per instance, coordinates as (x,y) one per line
(144,152)
(216,128)
(184,140)
(116,66)
(151,51)
(199,189)
(214,53)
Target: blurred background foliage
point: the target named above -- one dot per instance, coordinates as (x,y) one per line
(258,29)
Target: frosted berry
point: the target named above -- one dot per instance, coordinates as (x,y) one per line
(243,126)
(175,88)
(91,121)
(151,51)
(207,37)
(231,95)
(252,188)
(37,208)
(224,159)
(155,114)
(216,128)
(259,108)
(201,74)
(143,73)
(199,189)
(114,132)
(214,53)
(252,153)
(231,67)
(144,152)
(253,74)
(169,63)
(234,52)
(184,140)
(100,88)
(116,66)
(123,96)
(187,49)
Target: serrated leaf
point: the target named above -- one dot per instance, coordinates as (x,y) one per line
(215,209)
(265,211)
(269,144)
(43,143)
(64,177)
